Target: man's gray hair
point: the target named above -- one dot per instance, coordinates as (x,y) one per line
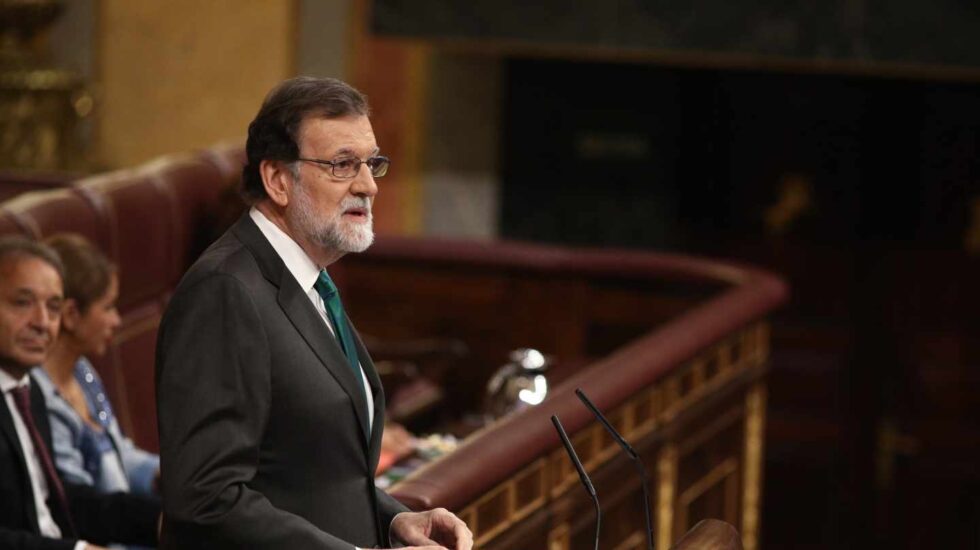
(15,247)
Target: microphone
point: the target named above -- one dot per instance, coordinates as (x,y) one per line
(634,456)
(581,473)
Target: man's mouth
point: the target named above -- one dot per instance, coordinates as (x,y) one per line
(360,214)
(34,345)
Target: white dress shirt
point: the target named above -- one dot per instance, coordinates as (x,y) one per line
(39,485)
(306,273)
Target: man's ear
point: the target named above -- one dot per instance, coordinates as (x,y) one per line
(277,180)
(70,314)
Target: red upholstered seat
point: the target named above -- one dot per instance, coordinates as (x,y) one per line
(152,221)
(41,213)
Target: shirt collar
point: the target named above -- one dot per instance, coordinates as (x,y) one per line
(304,270)
(8,382)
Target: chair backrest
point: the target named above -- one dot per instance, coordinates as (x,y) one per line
(152,221)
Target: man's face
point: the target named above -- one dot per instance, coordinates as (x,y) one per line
(30,308)
(334,214)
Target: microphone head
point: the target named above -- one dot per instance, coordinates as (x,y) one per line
(632,454)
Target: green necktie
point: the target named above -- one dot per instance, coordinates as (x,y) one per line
(335,310)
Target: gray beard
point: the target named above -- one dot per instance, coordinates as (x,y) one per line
(332,233)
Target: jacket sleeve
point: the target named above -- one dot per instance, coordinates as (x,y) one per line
(115,517)
(213,399)
(388,508)
(11,539)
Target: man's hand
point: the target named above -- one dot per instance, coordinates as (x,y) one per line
(438,527)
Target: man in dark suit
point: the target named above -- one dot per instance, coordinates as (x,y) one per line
(37,510)
(270,410)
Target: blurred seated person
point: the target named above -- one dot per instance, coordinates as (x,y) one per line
(396,444)
(89,447)
(37,509)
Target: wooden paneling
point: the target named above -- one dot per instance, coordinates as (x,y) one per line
(681,382)
(394,75)
(183,74)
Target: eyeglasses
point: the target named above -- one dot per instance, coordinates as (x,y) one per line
(347,168)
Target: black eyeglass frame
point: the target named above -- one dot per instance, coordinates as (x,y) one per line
(383,163)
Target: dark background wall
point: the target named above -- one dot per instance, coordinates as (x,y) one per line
(906,31)
(600,153)
(837,143)
(862,191)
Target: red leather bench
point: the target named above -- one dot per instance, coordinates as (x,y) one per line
(152,221)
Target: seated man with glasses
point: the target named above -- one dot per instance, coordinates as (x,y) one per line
(270,409)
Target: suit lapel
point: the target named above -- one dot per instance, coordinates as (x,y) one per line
(303,316)
(377,392)
(39,411)
(10,433)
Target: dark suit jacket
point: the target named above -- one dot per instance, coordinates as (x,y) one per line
(99,518)
(263,424)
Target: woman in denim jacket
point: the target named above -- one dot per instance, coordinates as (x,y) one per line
(89,447)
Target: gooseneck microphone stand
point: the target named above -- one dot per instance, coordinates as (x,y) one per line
(632,454)
(581,474)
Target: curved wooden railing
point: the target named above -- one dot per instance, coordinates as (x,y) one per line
(713,352)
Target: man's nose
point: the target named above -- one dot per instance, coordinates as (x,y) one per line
(364,183)
(42,316)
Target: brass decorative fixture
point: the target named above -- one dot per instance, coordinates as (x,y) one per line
(40,105)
